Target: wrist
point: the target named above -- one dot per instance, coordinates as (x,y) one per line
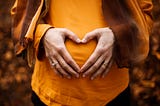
(109,30)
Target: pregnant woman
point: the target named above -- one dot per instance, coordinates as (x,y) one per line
(83,48)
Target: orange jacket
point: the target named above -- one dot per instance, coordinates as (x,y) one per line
(131,46)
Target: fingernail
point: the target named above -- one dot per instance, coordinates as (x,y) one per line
(69,77)
(84,41)
(92,78)
(77,76)
(84,76)
(78,40)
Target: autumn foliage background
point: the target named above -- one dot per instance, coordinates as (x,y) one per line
(15,76)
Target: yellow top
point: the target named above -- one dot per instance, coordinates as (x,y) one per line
(79,17)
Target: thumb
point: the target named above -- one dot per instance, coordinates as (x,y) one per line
(89,36)
(72,36)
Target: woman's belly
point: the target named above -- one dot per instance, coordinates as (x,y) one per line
(80,17)
(80,52)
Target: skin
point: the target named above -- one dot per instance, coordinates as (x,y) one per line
(98,63)
(101,60)
(56,51)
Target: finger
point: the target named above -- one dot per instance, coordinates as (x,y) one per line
(72,35)
(108,68)
(100,70)
(92,69)
(89,36)
(50,61)
(95,67)
(92,59)
(58,69)
(69,60)
(62,71)
(57,72)
(67,63)
(54,69)
(67,67)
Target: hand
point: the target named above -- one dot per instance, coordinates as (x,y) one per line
(57,53)
(101,60)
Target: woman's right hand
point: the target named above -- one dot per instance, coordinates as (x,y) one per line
(57,54)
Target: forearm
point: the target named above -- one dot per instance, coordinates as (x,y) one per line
(39,33)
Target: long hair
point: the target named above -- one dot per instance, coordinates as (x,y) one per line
(118,11)
(119,18)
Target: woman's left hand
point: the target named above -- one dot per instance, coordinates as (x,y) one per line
(100,61)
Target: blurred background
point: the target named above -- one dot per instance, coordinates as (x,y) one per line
(15,76)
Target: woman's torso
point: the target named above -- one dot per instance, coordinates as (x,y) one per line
(81,17)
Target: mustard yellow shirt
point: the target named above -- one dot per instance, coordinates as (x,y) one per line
(80,18)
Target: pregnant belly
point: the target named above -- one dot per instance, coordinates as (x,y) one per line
(80,52)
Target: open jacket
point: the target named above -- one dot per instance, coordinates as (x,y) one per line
(130,21)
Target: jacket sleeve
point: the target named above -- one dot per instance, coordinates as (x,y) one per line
(132,48)
(40,31)
(26,15)
(146,7)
